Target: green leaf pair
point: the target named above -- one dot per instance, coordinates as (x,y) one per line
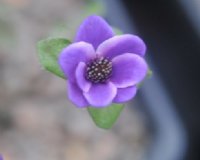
(48,51)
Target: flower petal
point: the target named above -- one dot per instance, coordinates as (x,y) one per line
(76,96)
(70,57)
(101,95)
(125,94)
(94,30)
(80,77)
(128,69)
(118,45)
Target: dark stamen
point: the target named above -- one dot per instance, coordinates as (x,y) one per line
(99,70)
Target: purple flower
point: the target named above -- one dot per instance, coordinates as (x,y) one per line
(102,68)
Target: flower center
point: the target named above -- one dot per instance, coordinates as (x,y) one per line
(98,70)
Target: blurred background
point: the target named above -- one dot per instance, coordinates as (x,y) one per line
(38,122)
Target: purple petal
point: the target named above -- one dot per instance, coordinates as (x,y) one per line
(94,30)
(76,96)
(128,70)
(125,94)
(80,77)
(101,95)
(70,57)
(118,45)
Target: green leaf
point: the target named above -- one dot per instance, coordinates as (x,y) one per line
(117,31)
(105,117)
(48,51)
(148,75)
